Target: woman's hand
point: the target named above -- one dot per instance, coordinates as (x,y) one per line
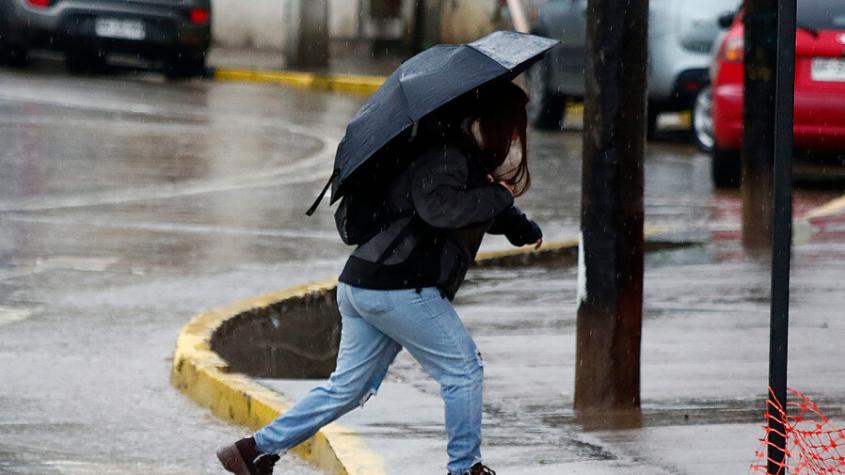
(538,244)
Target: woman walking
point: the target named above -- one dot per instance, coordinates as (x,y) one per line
(467,162)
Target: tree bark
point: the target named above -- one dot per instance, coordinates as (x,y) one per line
(607,376)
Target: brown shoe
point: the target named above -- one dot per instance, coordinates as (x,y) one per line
(479,469)
(243,458)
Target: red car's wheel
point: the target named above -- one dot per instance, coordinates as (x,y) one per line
(702,120)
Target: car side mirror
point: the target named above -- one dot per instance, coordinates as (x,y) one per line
(726,20)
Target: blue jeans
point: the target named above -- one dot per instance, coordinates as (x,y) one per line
(376,325)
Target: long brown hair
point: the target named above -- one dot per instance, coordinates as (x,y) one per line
(502,120)
(490,119)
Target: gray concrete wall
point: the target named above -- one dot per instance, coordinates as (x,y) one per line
(343,19)
(252,24)
(261,23)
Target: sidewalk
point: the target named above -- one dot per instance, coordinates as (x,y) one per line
(705,350)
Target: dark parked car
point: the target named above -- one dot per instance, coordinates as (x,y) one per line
(176,32)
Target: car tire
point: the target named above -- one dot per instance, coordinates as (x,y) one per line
(546,110)
(184,66)
(11,54)
(701,125)
(726,166)
(14,56)
(84,60)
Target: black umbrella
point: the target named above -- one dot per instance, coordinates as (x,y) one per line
(424,83)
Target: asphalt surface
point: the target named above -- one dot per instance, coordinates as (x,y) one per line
(129,204)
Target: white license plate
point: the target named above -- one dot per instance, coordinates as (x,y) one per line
(828,69)
(117,28)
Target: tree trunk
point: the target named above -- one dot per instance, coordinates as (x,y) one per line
(609,330)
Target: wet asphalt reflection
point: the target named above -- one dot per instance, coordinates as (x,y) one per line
(129,204)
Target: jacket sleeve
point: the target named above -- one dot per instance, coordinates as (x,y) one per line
(441,198)
(516,227)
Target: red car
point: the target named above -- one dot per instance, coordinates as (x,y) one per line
(819,87)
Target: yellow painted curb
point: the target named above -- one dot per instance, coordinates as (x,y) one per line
(830,208)
(330,82)
(201,374)
(802,226)
(551,247)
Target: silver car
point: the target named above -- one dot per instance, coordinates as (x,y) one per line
(177,32)
(681,34)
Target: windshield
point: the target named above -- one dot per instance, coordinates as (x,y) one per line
(822,14)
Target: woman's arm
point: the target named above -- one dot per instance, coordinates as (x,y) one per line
(441,198)
(516,227)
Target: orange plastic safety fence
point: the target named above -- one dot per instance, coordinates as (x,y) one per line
(812,442)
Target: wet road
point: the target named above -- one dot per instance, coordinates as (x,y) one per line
(128,204)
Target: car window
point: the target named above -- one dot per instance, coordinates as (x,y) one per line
(822,14)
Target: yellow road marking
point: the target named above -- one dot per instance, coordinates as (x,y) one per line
(830,208)
(331,82)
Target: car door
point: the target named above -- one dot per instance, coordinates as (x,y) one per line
(574,55)
(566,20)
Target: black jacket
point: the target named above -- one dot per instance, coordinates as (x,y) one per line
(447,205)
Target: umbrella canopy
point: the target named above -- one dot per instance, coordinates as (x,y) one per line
(424,83)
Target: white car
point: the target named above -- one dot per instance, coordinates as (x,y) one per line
(681,34)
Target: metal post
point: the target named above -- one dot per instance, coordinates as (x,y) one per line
(607,376)
(782,227)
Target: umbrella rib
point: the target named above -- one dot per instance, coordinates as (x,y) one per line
(405,98)
(530,60)
(487,56)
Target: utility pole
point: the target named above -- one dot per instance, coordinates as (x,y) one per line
(610,293)
(306,33)
(760,20)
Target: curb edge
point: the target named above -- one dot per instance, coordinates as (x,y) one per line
(201,374)
(348,83)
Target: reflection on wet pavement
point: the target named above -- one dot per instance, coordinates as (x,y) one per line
(705,351)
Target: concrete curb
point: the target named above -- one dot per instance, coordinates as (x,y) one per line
(202,374)
(804,227)
(348,83)
(830,208)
